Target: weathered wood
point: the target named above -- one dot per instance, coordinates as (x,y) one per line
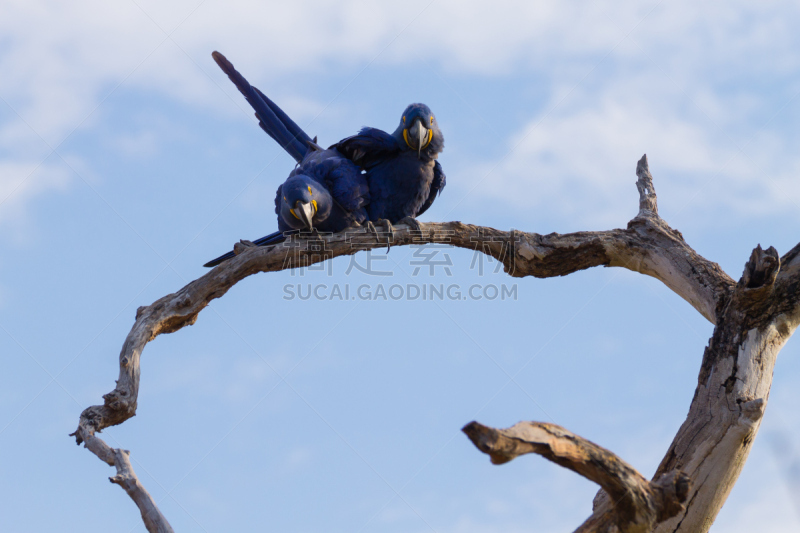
(154,521)
(753,322)
(753,319)
(637,504)
(733,387)
(648,246)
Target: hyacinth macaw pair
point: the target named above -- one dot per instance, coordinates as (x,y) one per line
(372,177)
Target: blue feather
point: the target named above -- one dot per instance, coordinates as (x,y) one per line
(369,176)
(403,181)
(287,134)
(324,179)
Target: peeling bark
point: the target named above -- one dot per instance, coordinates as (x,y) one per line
(733,387)
(753,319)
(636,504)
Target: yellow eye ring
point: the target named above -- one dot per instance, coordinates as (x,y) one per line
(431,119)
(404,120)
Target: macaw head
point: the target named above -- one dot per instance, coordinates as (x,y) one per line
(419,129)
(304,203)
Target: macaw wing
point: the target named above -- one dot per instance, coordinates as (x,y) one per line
(437,186)
(290,125)
(348,185)
(344,181)
(270,117)
(370,147)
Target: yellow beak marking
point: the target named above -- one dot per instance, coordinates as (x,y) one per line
(430,138)
(313,202)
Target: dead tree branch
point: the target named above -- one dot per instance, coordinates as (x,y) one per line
(753,319)
(638,504)
(154,521)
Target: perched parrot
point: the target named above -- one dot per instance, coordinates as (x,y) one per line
(402,170)
(326,191)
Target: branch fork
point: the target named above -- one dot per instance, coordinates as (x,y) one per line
(753,319)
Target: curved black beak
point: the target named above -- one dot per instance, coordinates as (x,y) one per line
(304,211)
(418,136)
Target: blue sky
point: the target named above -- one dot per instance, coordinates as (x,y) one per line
(127,160)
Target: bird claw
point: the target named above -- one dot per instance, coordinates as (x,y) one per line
(388,230)
(412,223)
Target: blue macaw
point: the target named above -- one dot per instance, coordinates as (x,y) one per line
(326,191)
(403,173)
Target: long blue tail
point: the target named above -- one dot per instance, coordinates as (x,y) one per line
(271,118)
(272,238)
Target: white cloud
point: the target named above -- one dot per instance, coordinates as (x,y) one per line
(65,59)
(21,181)
(577,159)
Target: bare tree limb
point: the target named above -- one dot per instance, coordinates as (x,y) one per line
(753,320)
(637,504)
(735,377)
(648,246)
(154,521)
